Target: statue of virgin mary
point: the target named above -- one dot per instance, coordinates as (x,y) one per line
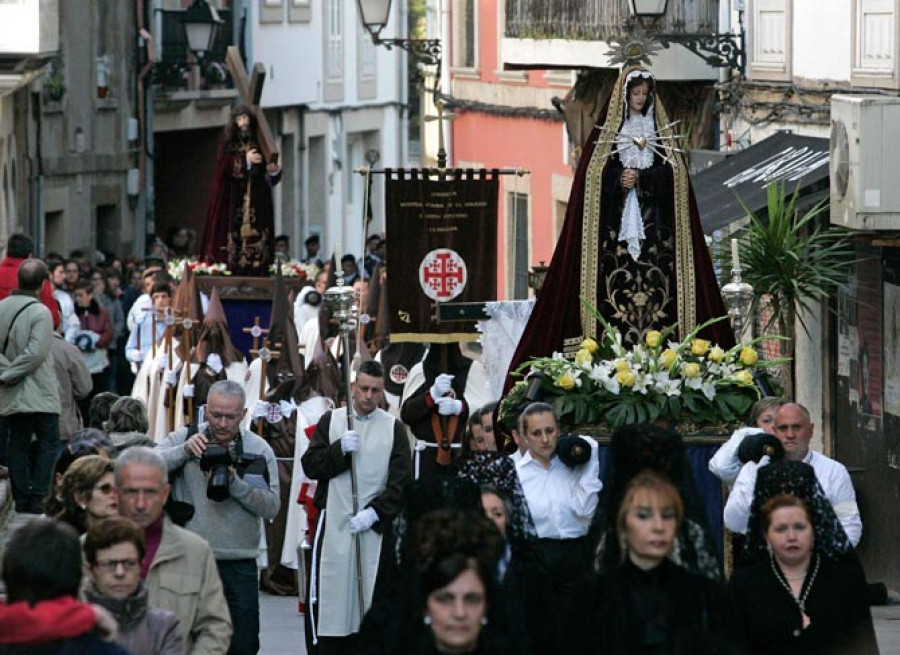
(631,244)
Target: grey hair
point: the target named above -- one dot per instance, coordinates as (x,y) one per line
(127,415)
(228,388)
(141,455)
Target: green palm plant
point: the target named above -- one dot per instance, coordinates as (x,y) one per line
(792,261)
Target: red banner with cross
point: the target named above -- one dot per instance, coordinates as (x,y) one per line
(441,247)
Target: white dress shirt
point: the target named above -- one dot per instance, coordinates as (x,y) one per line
(562,499)
(833,477)
(725,464)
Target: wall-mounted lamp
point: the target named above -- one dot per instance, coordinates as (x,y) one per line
(725,50)
(201,21)
(375,14)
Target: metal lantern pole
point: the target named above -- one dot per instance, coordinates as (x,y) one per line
(340,301)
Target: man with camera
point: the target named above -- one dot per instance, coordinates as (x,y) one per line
(230,477)
(794,430)
(376,451)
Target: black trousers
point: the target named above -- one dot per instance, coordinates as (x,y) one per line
(557,588)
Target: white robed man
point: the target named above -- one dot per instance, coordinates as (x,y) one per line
(381,457)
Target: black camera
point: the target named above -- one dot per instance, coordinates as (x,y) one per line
(216,460)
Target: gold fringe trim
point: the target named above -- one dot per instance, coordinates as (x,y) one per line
(593,190)
(424,337)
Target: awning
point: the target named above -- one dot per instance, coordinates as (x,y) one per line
(796,160)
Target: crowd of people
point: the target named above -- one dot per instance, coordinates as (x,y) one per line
(419,524)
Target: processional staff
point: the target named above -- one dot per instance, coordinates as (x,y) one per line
(340,300)
(265,355)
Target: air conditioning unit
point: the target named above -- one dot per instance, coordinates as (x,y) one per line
(865,162)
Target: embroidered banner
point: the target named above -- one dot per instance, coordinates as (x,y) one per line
(441,247)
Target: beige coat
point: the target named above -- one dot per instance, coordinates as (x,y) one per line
(74,384)
(183,579)
(27,380)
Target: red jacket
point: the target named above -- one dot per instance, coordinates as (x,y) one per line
(9,280)
(96,319)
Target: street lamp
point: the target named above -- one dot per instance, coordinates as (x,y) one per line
(375,14)
(726,50)
(201,21)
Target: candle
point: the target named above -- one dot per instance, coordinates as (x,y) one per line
(735,260)
(337,253)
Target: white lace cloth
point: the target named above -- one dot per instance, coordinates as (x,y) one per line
(633,156)
(500,336)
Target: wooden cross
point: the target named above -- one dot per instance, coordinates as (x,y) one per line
(188,325)
(249,88)
(266,355)
(256,332)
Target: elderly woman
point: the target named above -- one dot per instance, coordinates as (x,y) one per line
(127,425)
(88,492)
(648,603)
(114,549)
(806,592)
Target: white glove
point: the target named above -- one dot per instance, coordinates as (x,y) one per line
(350,442)
(134,355)
(214,362)
(364,519)
(135,368)
(441,387)
(187,391)
(449,406)
(170,378)
(162,360)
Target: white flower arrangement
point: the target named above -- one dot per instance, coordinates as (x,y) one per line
(294,268)
(176,268)
(694,382)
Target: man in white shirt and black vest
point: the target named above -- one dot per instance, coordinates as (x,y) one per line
(562,500)
(794,430)
(380,450)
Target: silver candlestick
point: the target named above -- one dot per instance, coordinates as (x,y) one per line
(738,296)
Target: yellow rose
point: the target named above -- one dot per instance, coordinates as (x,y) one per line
(621,365)
(691,370)
(744,376)
(716,355)
(653,338)
(566,381)
(667,358)
(748,356)
(583,356)
(626,378)
(699,347)
(590,345)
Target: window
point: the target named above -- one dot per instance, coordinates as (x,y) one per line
(875,43)
(465,33)
(517,219)
(769,39)
(334,52)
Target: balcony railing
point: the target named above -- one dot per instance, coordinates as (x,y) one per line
(601,20)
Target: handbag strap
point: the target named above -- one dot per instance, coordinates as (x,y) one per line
(13,321)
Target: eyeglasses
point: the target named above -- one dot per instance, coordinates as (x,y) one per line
(219,416)
(112,565)
(106,488)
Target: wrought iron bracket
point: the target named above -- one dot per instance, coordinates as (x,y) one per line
(427,51)
(717,50)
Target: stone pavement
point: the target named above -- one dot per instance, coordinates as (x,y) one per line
(282,625)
